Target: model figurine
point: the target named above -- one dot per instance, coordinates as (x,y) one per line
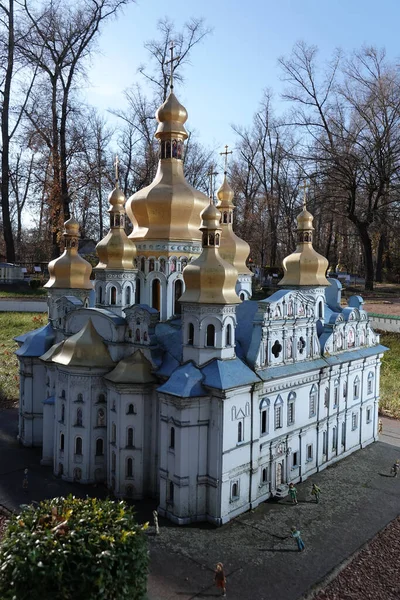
(295,533)
(220,579)
(293,493)
(315,491)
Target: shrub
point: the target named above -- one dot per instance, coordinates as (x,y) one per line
(35,283)
(72,548)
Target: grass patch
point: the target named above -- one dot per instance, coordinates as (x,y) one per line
(21,293)
(11,325)
(390,375)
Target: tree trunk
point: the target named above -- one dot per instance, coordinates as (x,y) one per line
(368,257)
(65,200)
(5,135)
(379,258)
(55,155)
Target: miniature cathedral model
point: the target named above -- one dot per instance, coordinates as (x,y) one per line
(162,378)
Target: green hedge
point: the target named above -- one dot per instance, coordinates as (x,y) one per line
(69,548)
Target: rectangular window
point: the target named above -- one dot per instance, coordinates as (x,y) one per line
(290,413)
(343,433)
(264,475)
(264,421)
(336,397)
(278,417)
(356,389)
(309,451)
(324,443)
(234,490)
(368,415)
(312,404)
(295,460)
(334,438)
(369,386)
(354,421)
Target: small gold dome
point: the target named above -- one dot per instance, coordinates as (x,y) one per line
(233,249)
(70,271)
(169,208)
(171,117)
(116,250)
(132,369)
(305,267)
(83,349)
(209,279)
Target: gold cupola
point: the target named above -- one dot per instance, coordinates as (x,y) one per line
(232,249)
(116,250)
(209,279)
(305,267)
(168,210)
(70,271)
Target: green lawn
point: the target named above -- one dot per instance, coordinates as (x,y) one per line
(390,376)
(22,293)
(11,325)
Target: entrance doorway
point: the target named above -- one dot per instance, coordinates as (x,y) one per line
(155,295)
(279,474)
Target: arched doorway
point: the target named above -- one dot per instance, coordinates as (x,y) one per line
(137,292)
(178,291)
(155,294)
(279,474)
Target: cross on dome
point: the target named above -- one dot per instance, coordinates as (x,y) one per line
(226,158)
(116,166)
(305,188)
(171,62)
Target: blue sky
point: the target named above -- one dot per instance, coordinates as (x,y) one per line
(233,65)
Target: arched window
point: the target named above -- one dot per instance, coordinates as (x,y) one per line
(151,265)
(101,418)
(172,266)
(113,433)
(131,409)
(240,432)
(113,295)
(155,294)
(171,491)
(142,264)
(62,393)
(78,445)
(228,339)
(62,442)
(190,340)
(242,297)
(235,490)
(264,475)
(370,385)
(225,217)
(278,421)
(291,411)
(62,413)
(172,438)
(100,295)
(178,290)
(162,265)
(264,416)
(79,398)
(313,401)
(336,393)
(137,291)
(129,437)
(129,467)
(210,340)
(99,447)
(356,387)
(320,311)
(128,295)
(101,398)
(113,462)
(78,417)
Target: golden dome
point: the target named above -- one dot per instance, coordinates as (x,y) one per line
(116,250)
(133,369)
(209,279)
(305,266)
(83,349)
(232,249)
(70,271)
(169,208)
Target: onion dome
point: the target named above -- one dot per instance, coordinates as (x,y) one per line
(70,271)
(83,349)
(116,250)
(233,249)
(209,279)
(305,267)
(133,369)
(169,208)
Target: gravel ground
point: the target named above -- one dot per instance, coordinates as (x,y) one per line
(373,573)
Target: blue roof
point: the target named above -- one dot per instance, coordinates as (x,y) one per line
(245,314)
(37,342)
(291,369)
(50,400)
(168,365)
(348,355)
(227,374)
(185,382)
(169,335)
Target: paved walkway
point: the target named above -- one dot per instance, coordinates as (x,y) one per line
(359,497)
(21,305)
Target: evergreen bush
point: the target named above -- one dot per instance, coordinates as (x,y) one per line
(69,548)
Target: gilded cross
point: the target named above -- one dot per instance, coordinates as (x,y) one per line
(226,157)
(305,188)
(116,166)
(211,174)
(171,62)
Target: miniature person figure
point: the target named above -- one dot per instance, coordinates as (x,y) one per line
(315,491)
(380,426)
(293,493)
(295,533)
(220,579)
(396,468)
(155,517)
(25,481)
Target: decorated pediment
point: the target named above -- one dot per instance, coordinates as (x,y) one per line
(141,320)
(287,305)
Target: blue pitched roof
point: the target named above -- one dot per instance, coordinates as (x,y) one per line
(50,400)
(107,313)
(185,382)
(37,342)
(168,365)
(227,374)
(245,314)
(348,355)
(291,369)
(169,335)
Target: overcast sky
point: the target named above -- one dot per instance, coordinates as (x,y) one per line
(230,69)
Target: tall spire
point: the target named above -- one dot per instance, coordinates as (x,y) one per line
(226,158)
